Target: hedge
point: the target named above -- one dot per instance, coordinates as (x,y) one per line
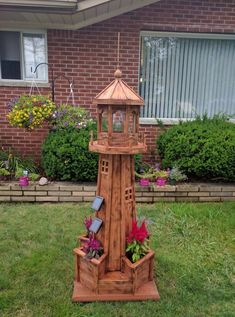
(204,148)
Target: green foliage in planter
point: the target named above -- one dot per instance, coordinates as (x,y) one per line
(34,177)
(65,155)
(15,164)
(176,175)
(203,148)
(4,172)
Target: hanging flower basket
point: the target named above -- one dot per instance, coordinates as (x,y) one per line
(30,111)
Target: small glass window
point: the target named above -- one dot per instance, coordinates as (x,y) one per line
(104,121)
(132,122)
(118,121)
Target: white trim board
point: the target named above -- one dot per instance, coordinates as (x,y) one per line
(168,121)
(209,36)
(87,14)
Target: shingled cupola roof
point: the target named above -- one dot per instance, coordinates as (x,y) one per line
(118,93)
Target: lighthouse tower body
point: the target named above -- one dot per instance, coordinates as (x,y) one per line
(113,276)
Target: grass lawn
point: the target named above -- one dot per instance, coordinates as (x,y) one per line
(194,246)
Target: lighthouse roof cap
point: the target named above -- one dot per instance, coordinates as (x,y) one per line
(118,93)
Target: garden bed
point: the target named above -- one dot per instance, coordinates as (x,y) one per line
(85,192)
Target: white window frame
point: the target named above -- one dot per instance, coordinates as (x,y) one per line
(23,81)
(210,36)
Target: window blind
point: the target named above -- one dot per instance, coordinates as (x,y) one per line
(186,77)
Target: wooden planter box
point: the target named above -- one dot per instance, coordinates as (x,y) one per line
(134,282)
(140,272)
(88,271)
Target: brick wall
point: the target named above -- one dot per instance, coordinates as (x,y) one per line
(69,192)
(88,57)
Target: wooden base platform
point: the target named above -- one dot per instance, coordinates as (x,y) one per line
(146,292)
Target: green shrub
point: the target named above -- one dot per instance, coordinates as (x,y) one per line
(203,148)
(65,155)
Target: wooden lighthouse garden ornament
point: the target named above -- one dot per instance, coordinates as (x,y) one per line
(112,276)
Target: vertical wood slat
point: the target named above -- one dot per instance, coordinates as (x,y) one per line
(114,254)
(133,216)
(76,268)
(108,204)
(192,77)
(104,191)
(151,268)
(123,208)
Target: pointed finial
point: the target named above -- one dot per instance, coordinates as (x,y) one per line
(118,73)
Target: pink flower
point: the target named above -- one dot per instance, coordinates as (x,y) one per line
(87,222)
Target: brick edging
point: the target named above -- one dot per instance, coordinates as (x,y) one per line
(75,192)
(186,192)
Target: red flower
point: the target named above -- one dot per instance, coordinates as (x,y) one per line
(138,233)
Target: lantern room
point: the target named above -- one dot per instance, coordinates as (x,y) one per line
(118,108)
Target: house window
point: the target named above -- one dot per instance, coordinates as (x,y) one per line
(186,75)
(20,53)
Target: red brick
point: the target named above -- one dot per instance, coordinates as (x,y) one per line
(88,57)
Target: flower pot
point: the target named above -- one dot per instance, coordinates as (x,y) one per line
(144,182)
(161,181)
(24,181)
